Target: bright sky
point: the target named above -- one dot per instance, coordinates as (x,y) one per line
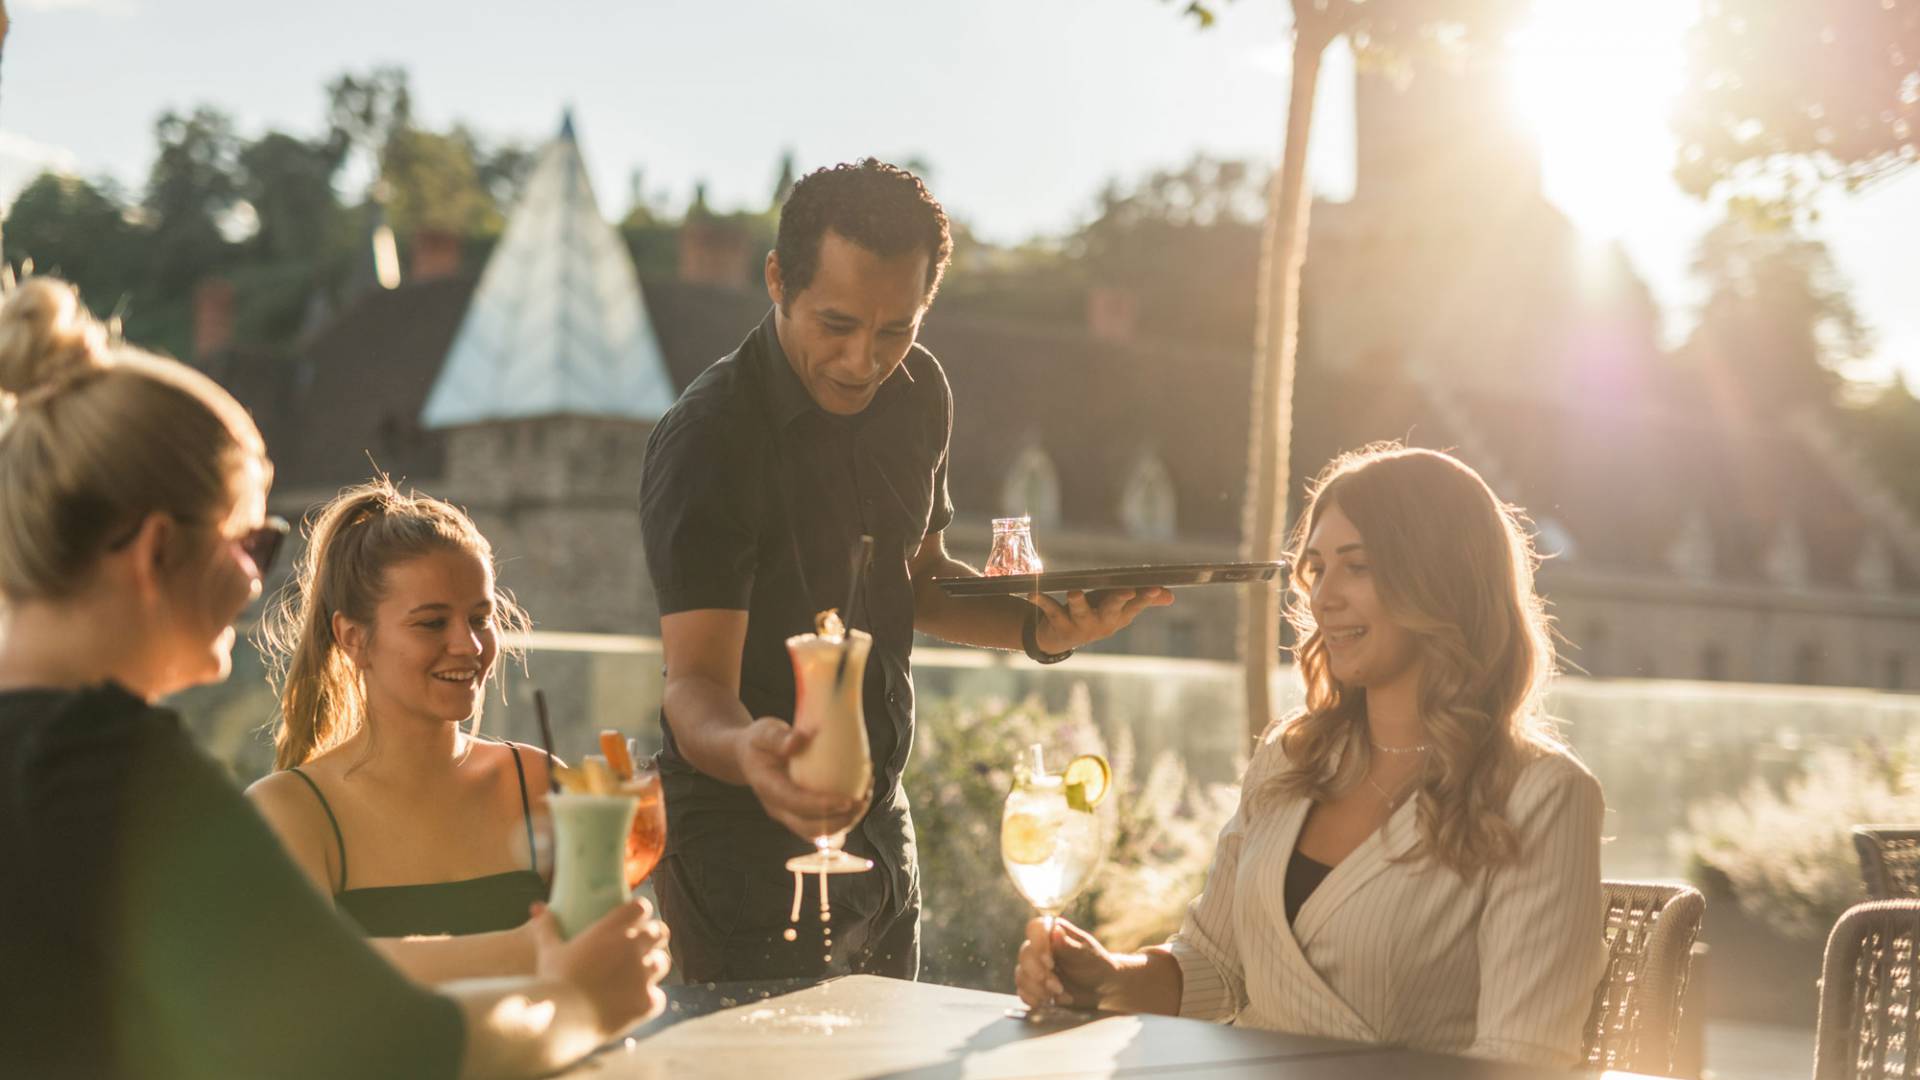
(1024,108)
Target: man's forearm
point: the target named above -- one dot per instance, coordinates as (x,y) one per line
(708,722)
(989,622)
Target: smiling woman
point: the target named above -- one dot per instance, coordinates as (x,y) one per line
(1595,83)
(385,643)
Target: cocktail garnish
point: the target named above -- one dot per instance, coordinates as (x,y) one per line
(614,745)
(570,781)
(1026,840)
(1088,779)
(600,778)
(827,624)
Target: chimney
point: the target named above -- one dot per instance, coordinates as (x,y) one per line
(212,318)
(713,253)
(436,254)
(1112,313)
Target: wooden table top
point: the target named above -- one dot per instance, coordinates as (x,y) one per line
(868,1027)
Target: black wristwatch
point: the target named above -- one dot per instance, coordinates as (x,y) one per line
(1030,637)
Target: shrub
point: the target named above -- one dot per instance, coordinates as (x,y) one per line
(1162,834)
(1787,849)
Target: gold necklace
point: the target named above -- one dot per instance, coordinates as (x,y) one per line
(1392,801)
(1420,749)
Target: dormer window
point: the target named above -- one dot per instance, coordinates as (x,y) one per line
(1873,570)
(1032,488)
(1147,505)
(1786,560)
(1691,553)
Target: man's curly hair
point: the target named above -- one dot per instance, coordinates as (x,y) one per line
(880,207)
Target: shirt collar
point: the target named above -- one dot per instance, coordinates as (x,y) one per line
(788,396)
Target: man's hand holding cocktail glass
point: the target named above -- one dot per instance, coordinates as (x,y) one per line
(765,761)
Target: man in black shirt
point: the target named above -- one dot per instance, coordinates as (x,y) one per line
(827,423)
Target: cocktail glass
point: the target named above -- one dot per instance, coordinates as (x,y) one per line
(590,835)
(827,673)
(647,839)
(1051,848)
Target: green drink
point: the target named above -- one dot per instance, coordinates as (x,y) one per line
(590,851)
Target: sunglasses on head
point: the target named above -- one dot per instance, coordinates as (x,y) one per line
(262,545)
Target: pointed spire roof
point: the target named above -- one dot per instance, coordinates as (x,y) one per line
(557,324)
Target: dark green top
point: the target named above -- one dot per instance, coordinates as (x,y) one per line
(151,925)
(472,906)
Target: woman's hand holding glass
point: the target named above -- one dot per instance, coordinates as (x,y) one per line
(1067,967)
(617,963)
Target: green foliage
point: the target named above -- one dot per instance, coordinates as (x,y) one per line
(80,231)
(289,183)
(364,111)
(1887,430)
(1778,327)
(1173,237)
(1788,851)
(191,189)
(1395,35)
(263,213)
(432,181)
(1169,238)
(1783,98)
(973,921)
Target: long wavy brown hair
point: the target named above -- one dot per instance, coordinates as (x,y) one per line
(1454,566)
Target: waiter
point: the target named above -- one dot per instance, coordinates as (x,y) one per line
(828,422)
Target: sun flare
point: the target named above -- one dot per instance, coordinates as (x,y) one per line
(1595,81)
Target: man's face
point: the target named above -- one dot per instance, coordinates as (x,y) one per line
(847,331)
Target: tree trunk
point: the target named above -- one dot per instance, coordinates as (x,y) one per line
(1277,340)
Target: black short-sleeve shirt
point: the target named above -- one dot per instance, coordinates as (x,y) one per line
(752,499)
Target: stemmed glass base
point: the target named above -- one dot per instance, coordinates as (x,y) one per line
(1042,1014)
(829,860)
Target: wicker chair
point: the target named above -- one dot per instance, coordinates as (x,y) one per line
(1889,860)
(1870,994)
(1635,1020)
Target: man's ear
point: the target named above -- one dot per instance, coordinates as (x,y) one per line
(776,285)
(351,636)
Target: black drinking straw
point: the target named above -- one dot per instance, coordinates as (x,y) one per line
(546,737)
(862,554)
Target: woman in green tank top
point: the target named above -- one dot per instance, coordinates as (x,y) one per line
(421,831)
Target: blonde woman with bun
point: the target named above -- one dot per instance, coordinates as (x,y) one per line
(153,926)
(1416,858)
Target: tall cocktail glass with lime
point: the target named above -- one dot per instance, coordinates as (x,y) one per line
(1051,841)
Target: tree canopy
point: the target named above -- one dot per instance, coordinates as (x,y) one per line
(1787,96)
(266,213)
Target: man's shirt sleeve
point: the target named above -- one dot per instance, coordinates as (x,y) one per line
(700,514)
(942,513)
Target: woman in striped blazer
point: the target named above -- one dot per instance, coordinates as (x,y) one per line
(1416,858)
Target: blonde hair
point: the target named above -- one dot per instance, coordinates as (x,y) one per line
(1454,566)
(95,435)
(352,542)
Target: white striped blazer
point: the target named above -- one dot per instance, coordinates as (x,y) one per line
(1501,964)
